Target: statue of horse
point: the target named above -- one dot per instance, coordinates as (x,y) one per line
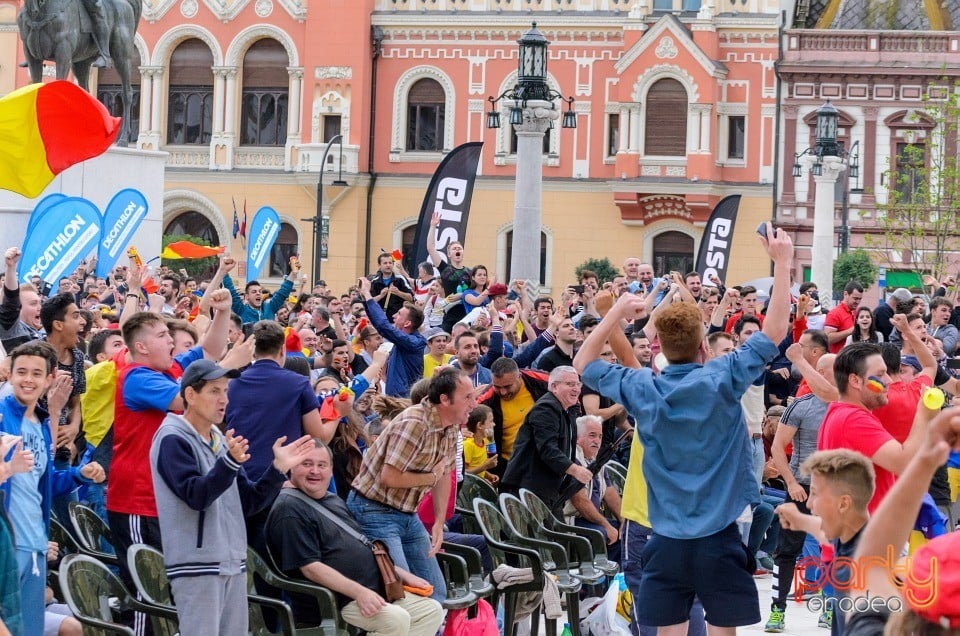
(61,31)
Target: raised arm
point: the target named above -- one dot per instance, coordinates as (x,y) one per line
(225,267)
(780,249)
(435,257)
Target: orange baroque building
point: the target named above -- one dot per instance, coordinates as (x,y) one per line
(675,107)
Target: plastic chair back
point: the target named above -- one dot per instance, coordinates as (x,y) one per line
(149,574)
(93,534)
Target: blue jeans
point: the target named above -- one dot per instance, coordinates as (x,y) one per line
(633,540)
(764,529)
(405,537)
(33,585)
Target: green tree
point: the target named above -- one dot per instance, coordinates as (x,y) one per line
(196,267)
(918,223)
(603,268)
(854,265)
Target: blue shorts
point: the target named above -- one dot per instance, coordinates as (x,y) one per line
(717,569)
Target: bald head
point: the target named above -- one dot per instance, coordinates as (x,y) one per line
(825,367)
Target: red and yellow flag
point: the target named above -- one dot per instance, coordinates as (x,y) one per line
(45,129)
(186,249)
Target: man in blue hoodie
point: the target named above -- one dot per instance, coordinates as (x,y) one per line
(28,495)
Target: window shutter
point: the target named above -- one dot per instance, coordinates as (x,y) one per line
(665,133)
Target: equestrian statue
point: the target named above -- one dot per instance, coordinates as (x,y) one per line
(78,34)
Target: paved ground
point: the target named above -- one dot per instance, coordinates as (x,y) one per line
(799,622)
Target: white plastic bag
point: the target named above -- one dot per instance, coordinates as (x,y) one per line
(604,620)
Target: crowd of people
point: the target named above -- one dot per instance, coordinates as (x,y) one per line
(758,428)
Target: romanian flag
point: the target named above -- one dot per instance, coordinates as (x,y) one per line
(186,249)
(45,129)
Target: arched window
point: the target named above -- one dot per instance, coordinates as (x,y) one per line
(192,223)
(287,245)
(110,94)
(543,256)
(665,131)
(426,112)
(672,252)
(263,113)
(190,105)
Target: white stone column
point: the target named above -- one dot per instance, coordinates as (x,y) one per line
(693,128)
(525,256)
(146,86)
(230,112)
(624,128)
(824,226)
(157,100)
(219,90)
(634,144)
(294,116)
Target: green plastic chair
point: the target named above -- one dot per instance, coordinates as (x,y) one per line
(555,547)
(96,597)
(456,576)
(473,487)
(93,534)
(67,545)
(332,623)
(505,550)
(615,478)
(149,575)
(617,466)
(479,585)
(598,542)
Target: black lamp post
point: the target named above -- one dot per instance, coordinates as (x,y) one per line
(826,145)
(531,83)
(318,219)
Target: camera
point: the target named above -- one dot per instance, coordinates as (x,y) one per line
(577,289)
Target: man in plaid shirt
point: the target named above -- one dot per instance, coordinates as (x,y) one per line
(413,455)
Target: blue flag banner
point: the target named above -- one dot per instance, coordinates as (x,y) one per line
(42,205)
(63,234)
(263,234)
(126,210)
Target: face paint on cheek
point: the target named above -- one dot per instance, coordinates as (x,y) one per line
(875,384)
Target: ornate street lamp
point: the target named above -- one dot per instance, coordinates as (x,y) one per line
(531,83)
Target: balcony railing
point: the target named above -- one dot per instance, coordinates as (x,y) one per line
(872,45)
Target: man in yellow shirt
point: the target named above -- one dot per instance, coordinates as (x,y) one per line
(511,396)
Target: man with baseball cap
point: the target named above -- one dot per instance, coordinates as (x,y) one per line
(202,493)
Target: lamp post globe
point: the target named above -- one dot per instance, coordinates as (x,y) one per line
(532,65)
(826,138)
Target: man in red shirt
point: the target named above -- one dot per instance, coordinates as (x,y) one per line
(862,381)
(841,320)
(911,374)
(748,307)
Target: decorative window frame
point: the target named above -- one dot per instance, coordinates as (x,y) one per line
(726,111)
(640,89)
(398,145)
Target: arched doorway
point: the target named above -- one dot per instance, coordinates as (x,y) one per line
(192,223)
(672,252)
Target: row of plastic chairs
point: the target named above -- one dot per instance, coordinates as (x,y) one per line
(96,595)
(523,532)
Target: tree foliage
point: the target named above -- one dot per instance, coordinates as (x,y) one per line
(854,265)
(603,268)
(920,219)
(196,267)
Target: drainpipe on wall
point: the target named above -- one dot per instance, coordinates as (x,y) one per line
(376,38)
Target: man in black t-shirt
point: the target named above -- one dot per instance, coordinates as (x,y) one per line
(389,290)
(308,543)
(454,275)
